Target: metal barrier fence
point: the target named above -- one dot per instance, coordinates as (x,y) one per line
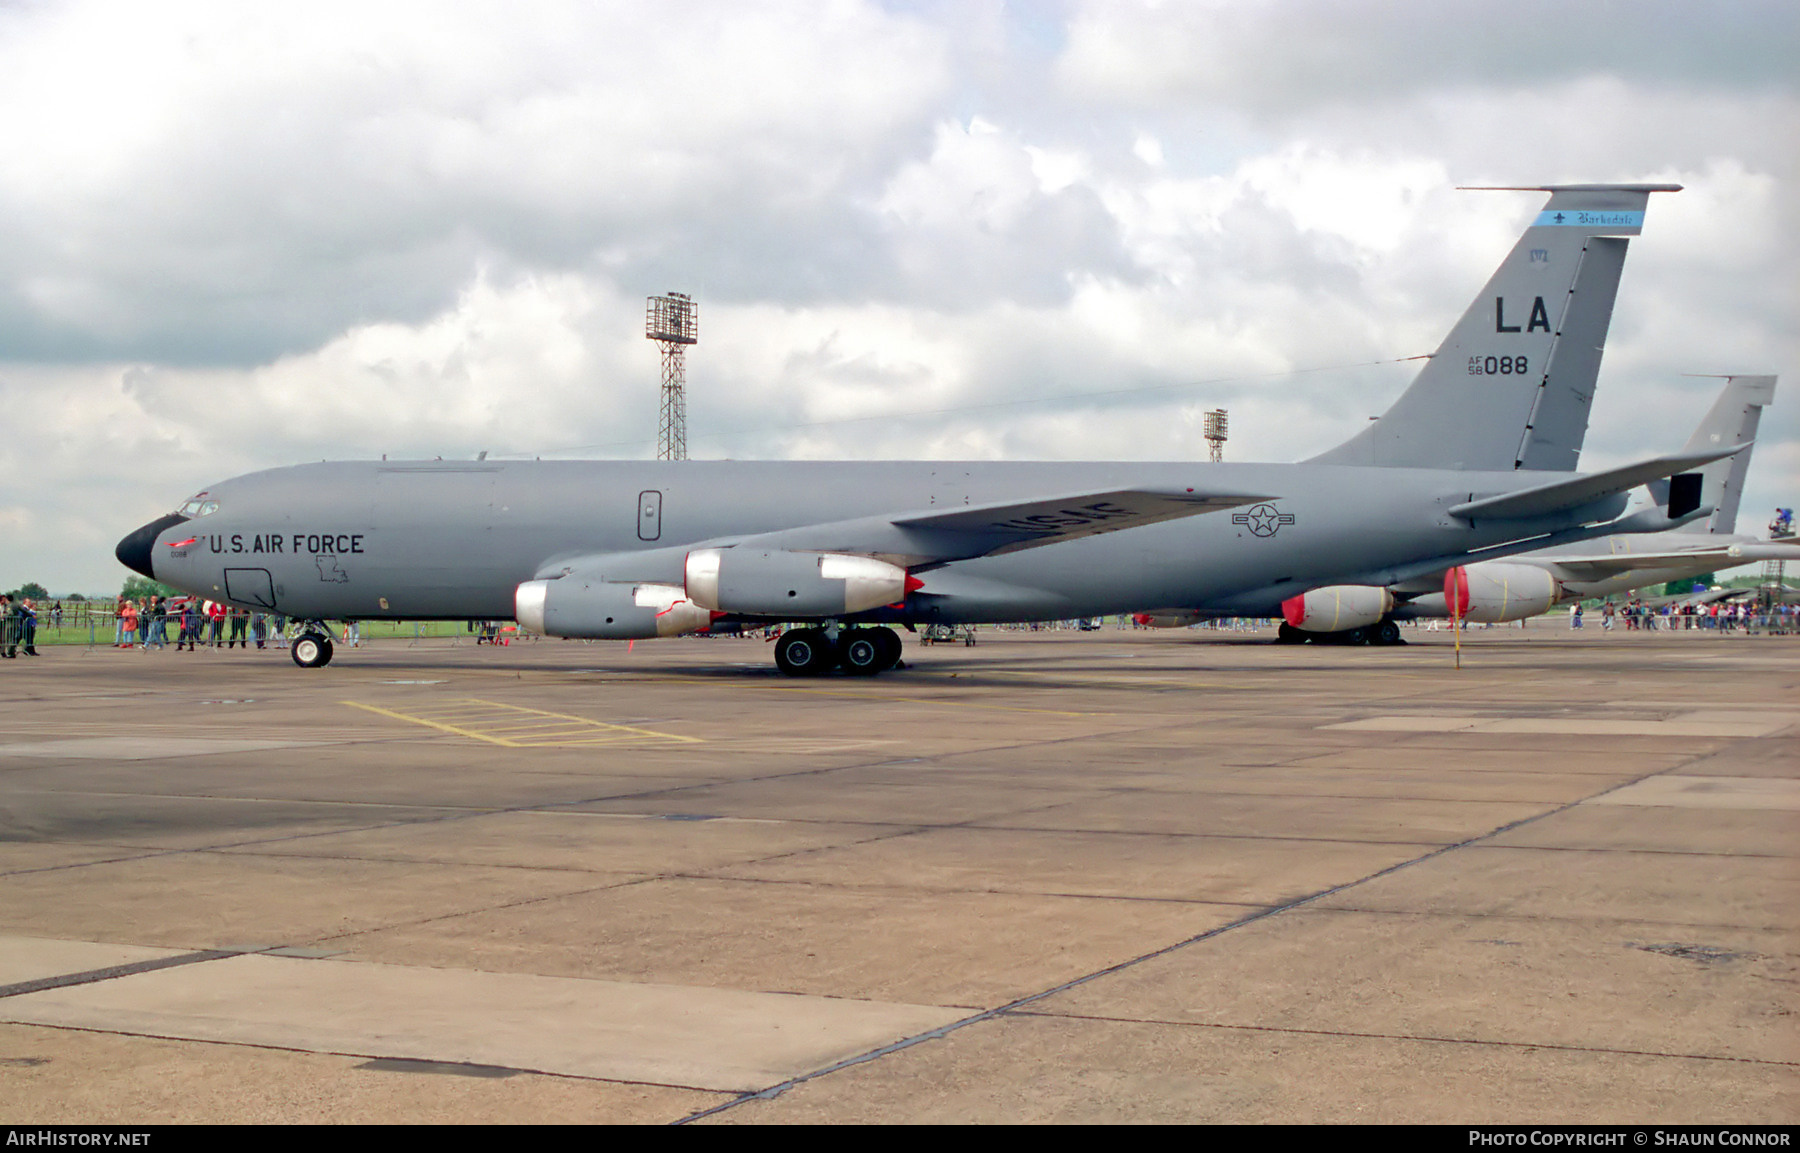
(96,624)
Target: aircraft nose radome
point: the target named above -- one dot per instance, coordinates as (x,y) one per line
(134,551)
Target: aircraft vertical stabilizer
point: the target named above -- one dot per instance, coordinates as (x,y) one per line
(1731,420)
(1511,386)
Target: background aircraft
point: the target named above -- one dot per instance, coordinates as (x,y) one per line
(1525,585)
(1503,591)
(1470,462)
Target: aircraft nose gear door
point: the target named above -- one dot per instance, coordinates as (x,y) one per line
(649,515)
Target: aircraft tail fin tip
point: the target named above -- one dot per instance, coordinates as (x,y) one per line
(1512,385)
(1733,419)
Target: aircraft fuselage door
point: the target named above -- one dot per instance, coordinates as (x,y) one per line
(250,586)
(650,515)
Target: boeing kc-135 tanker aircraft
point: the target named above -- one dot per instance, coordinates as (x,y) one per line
(1474,460)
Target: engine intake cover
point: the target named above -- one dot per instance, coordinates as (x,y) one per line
(1495,592)
(1335,608)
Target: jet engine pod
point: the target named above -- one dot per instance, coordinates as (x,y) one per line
(792,585)
(1166,618)
(1336,608)
(1498,592)
(576,607)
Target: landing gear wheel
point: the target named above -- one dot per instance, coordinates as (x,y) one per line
(889,641)
(1289,635)
(860,652)
(312,650)
(805,653)
(1386,633)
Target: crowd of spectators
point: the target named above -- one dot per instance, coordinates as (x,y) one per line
(18,627)
(146,623)
(1636,615)
(154,622)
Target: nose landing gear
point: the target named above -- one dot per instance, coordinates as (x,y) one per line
(312,648)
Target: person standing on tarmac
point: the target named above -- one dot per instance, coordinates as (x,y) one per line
(190,625)
(6,627)
(240,617)
(27,630)
(159,623)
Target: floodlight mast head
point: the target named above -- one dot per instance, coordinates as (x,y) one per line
(1213,426)
(673,319)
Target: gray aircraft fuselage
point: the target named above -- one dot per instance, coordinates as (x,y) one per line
(436,539)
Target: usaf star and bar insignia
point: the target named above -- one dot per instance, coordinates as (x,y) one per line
(1263,519)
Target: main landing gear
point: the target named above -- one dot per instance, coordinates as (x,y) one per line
(312,648)
(812,652)
(1381,633)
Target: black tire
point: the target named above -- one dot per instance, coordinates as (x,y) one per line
(859,651)
(312,650)
(804,653)
(1289,635)
(1387,633)
(889,640)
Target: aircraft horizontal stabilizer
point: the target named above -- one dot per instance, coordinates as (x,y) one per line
(989,529)
(1562,495)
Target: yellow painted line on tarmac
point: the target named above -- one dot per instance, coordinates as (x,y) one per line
(420,721)
(1120,682)
(877,698)
(519,727)
(696,682)
(1124,682)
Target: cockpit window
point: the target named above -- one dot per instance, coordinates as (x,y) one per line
(198,506)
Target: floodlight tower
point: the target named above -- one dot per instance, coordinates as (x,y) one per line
(673,321)
(1213,428)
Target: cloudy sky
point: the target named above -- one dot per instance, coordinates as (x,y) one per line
(237,236)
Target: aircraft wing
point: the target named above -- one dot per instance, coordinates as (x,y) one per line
(927,537)
(990,529)
(1712,595)
(1600,566)
(1575,491)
